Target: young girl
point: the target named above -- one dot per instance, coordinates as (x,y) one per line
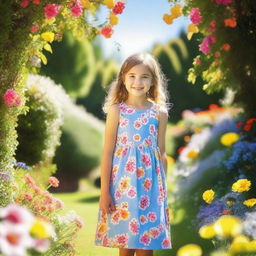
(133,214)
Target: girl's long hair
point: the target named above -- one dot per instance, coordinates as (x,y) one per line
(157,93)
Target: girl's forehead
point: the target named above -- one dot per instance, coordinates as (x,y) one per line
(140,68)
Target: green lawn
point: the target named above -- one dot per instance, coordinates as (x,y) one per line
(85,203)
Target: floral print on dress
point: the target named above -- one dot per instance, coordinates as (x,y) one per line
(137,186)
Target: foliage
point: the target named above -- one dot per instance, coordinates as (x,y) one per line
(175,58)
(39,130)
(224,61)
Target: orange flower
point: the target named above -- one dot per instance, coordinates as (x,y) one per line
(226,47)
(124,214)
(168,19)
(230,22)
(107,32)
(103,228)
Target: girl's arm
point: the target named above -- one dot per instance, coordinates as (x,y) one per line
(163,119)
(106,202)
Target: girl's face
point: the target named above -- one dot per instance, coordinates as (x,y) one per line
(138,80)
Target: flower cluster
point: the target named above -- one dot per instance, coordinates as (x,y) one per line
(21,231)
(116,8)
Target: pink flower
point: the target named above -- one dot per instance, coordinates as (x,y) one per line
(146,160)
(118,8)
(53,181)
(122,239)
(143,219)
(59,204)
(145,239)
(154,232)
(134,226)
(130,165)
(11,98)
(132,192)
(76,9)
(24,3)
(166,243)
(152,216)
(51,10)
(144,202)
(28,196)
(29,180)
(79,222)
(205,45)
(195,16)
(34,29)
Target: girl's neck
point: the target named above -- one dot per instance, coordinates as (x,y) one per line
(138,102)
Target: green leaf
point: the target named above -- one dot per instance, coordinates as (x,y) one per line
(42,57)
(48,48)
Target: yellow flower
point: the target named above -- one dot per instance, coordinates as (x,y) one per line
(48,36)
(170,160)
(113,19)
(250,202)
(49,21)
(192,28)
(207,231)
(241,185)
(229,138)
(190,250)
(208,196)
(192,154)
(109,3)
(176,11)
(228,225)
(40,229)
(251,247)
(124,183)
(168,19)
(239,244)
(86,4)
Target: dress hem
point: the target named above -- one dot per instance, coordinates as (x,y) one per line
(143,248)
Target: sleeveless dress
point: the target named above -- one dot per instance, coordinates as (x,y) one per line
(137,186)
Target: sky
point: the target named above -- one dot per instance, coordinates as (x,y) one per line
(140,26)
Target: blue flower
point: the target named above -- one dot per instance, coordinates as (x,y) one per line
(21,165)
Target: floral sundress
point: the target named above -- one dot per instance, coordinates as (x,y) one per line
(137,186)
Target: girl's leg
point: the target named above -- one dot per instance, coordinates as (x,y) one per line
(140,252)
(126,252)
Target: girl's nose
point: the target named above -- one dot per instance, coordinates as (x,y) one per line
(137,81)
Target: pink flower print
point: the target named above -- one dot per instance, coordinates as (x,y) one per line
(140,172)
(166,243)
(154,232)
(124,122)
(152,216)
(146,160)
(132,192)
(105,241)
(134,226)
(115,218)
(131,165)
(143,219)
(158,169)
(160,228)
(160,200)
(147,184)
(145,239)
(195,16)
(136,137)
(148,141)
(124,138)
(122,239)
(144,120)
(152,130)
(144,202)
(124,151)
(154,115)
(118,194)
(137,124)
(140,147)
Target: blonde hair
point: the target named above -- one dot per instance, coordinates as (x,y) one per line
(157,93)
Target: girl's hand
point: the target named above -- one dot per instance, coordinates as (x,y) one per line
(107,204)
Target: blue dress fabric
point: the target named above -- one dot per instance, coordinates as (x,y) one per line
(137,186)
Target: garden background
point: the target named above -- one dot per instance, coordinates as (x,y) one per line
(57,60)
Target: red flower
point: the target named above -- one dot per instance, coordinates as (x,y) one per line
(181,149)
(107,32)
(34,29)
(119,7)
(36,1)
(247,127)
(239,124)
(24,3)
(251,121)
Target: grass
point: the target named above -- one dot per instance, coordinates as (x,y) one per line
(85,203)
